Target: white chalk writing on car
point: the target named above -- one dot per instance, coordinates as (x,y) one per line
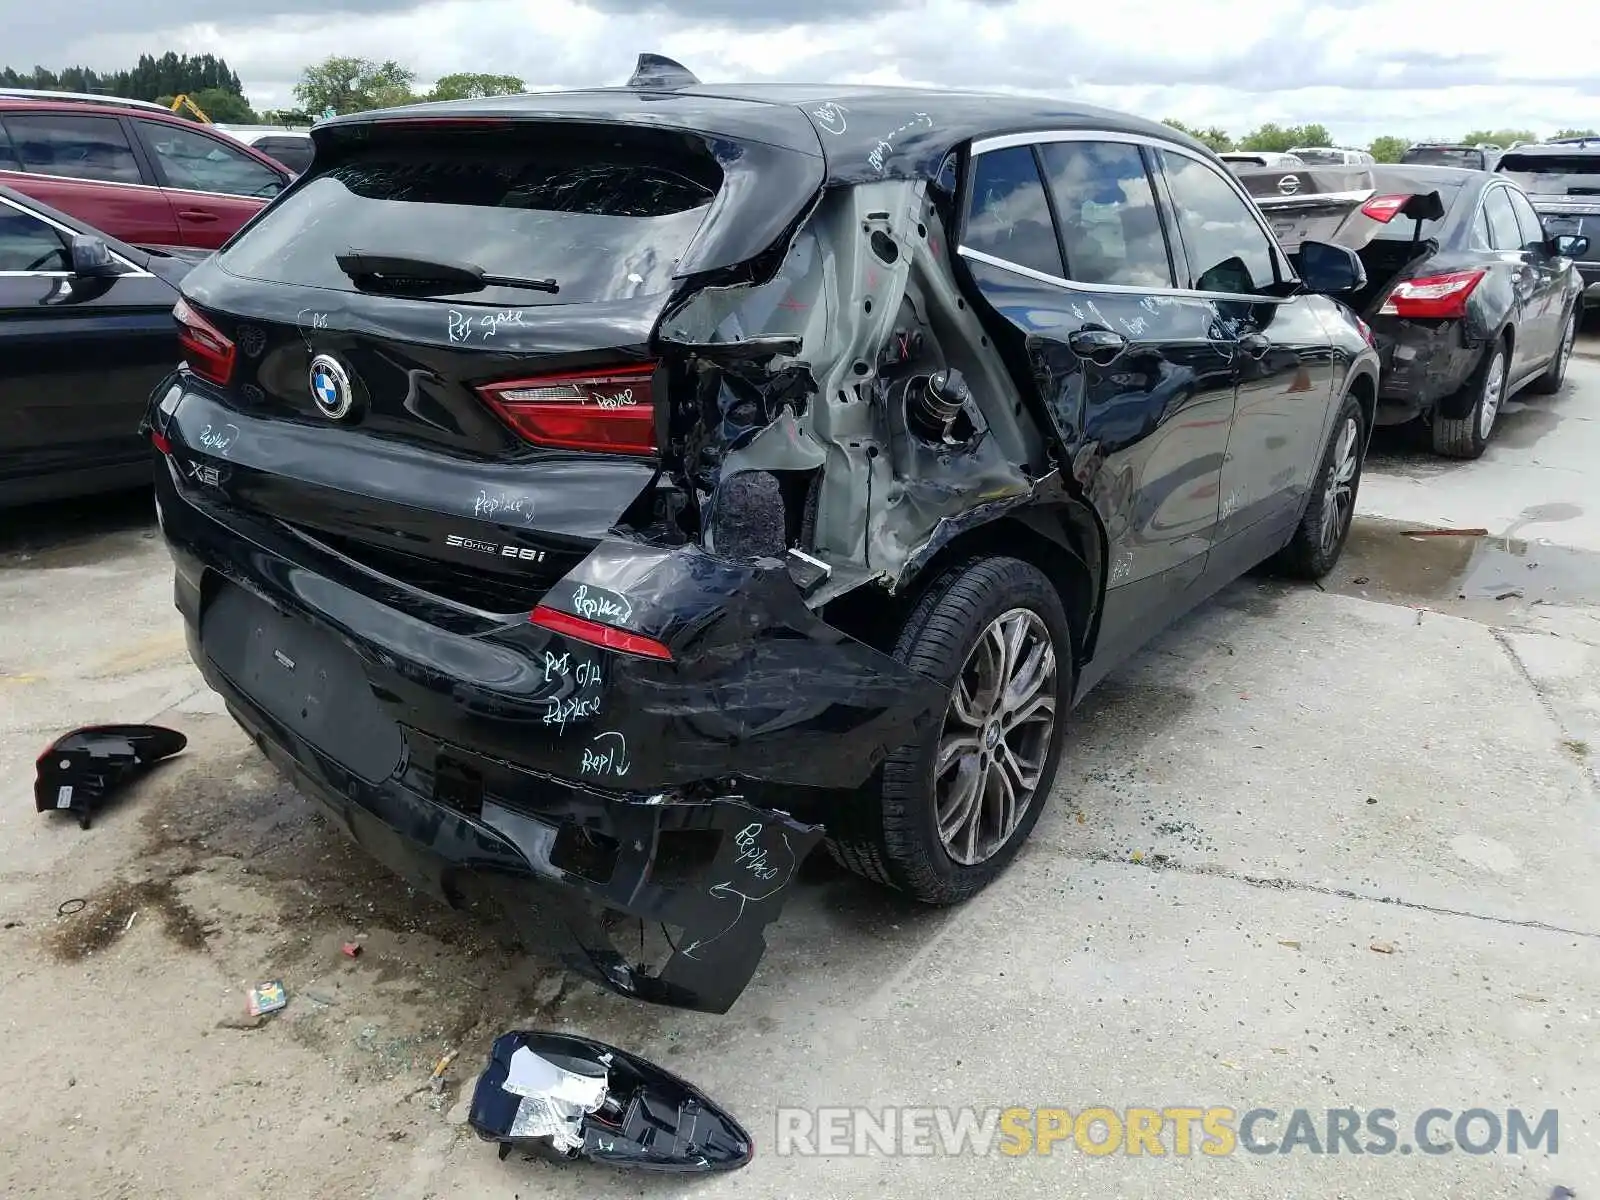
(219,439)
(502,504)
(559,712)
(610,756)
(463,327)
(598,604)
(830,117)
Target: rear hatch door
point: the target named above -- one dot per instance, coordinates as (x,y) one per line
(471,437)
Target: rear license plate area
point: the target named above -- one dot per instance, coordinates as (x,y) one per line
(304,678)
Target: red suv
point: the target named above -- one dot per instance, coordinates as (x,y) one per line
(134,170)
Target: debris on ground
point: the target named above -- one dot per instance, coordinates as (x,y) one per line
(78,770)
(436,1080)
(351,949)
(1382,947)
(266,998)
(1293,945)
(561,1097)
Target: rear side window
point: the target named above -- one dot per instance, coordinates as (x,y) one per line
(201,163)
(1228,249)
(294,153)
(605,214)
(28,244)
(74,146)
(1503,231)
(1107,209)
(8,157)
(1009,216)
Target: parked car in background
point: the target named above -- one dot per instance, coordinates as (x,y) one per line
(1260,158)
(86,330)
(1563,181)
(1470,296)
(1331,156)
(1480,157)
(291,147)
(793,457)
(134,171)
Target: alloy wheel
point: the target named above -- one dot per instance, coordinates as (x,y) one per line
(1338,498)
(996,736)
(1493,385)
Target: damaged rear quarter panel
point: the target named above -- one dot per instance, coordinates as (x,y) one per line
(866,292)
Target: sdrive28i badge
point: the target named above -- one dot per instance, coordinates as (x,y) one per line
(520,553)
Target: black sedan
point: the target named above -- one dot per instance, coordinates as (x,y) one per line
(86,330)
(1470,298)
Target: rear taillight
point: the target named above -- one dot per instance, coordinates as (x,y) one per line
(160,442)
(610,411)
(1384,208)
(1432,297)
(206,349)
(608,637)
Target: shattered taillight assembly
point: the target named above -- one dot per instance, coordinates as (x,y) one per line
(1384,209)
(1432,297)
(208,352)
(610,411)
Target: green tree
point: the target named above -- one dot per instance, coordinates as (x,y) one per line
(1285,137)
(346,84)
(1388,149)
(1575,133)
(149,79)
(470,85)
(1213,136)
(1500,137)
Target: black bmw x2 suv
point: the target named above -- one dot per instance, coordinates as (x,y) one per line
(596,500)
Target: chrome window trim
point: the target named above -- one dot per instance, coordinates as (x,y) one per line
(1008,141)
(149,187)
(134,269)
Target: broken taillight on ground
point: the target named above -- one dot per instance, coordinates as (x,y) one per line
(77,770)
(563,1098)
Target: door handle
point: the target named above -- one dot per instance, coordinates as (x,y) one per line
(196,214)
(1101,345)
(1255,344)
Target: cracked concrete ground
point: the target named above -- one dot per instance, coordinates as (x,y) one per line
(1404,759)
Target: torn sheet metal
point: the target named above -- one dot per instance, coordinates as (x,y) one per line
(564,1098)
(889,415)
(80,769)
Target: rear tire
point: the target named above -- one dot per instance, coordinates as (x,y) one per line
(996,634)
(1468,436)
(1556,373)
(1319,539)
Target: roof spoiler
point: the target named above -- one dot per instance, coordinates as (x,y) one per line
(657,72)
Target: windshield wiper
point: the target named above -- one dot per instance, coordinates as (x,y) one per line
(403,273)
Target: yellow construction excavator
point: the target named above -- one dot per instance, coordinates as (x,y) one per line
(183,101)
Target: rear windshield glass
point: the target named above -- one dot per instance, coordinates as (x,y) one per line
(1554,174)
(1444,156)
(1319,157)
(606,215)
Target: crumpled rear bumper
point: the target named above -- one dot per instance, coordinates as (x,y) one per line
(719,900)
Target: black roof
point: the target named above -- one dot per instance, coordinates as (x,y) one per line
(862,133)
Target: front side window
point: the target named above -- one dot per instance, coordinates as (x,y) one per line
(1528,221)
(1107,209)
(74,146)
(200,163)
(1009,216)
(1228,250)
(28,244)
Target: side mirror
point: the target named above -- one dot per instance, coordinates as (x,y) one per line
(91,258)
(1330,270)
(1569,245)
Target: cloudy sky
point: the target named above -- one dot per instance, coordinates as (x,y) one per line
(1416,68)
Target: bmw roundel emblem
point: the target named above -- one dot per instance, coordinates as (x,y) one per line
(330,387)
